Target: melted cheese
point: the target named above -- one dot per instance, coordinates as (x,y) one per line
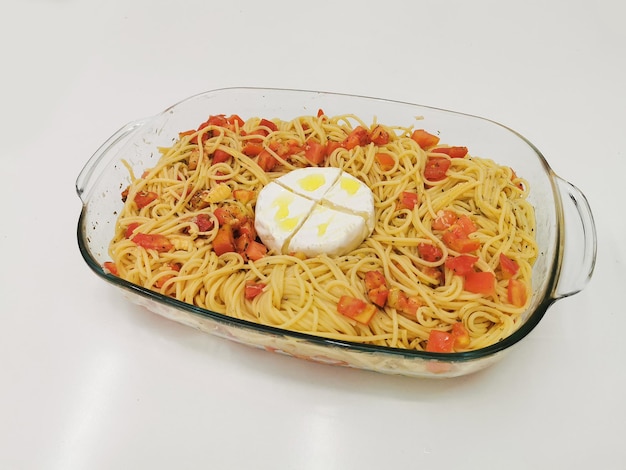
(315,211)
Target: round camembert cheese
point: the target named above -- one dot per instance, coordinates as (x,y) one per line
(315,211)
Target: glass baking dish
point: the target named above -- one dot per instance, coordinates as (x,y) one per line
(565,228)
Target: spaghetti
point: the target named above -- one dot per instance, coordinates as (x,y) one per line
(447,267)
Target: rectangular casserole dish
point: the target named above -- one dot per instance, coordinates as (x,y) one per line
(563,267)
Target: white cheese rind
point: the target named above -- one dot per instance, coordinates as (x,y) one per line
(312,182)
(330,232)
(279,214)
(315,211)
(352,195)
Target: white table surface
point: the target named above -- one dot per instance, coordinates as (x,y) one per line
(89,381)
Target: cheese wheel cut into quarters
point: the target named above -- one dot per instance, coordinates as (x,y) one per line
(315,211)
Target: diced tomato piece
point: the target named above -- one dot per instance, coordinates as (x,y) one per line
(203,221)
(374,279)
(408,199)
(224,241)
(356,309)
(378,295)
(429,252)
(452,152)
(269,124)
(111,267)
(244,195)
(252,149)
(131,228)
(314,151)
(440,341)
(376,286)
(152,241)
(403,303)
(424,139)
(444,220)
(385,161)
(466,224)
(481,282)
(358,137)
(235,119)
(456,239)
(231,215)
(266,161)
(186,133)
(143,198)
(218,120)
(320,112)
(285,148)
(436,168)
(331,146)
(252,289)
(246,227)
(461,265)
(461,336)
(221,156)
(256,250)
(509,266)
(379,135)
(433,272)
(516,292)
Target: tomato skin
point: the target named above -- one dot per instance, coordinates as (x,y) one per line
(461,265)
(230,215)
(436,168)
(440,341)
(252,289)
(447,341)
(374,279)
(516,293)
(255,250)
(356,309)
(269,124)
(456,239)
(376,286)
(131,228)
(444,220)
(358,137)
(379,136)
(385,161)
(224,241)
(314,151)
(244,195)
(408,200)
(143,198)
(509,266)
(452,152)
(429,252)
(266,161)
(152,241)
(404,304)
(461,336)
(466,224)
(252,149)
(424,139)
(111,267)
(204,222)
(221,156)
(331,146)
(481,282)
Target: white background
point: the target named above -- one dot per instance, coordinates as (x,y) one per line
(89,381)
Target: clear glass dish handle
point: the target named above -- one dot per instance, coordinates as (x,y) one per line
(95,166)
(580,241)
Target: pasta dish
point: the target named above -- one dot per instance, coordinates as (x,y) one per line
(444,267)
